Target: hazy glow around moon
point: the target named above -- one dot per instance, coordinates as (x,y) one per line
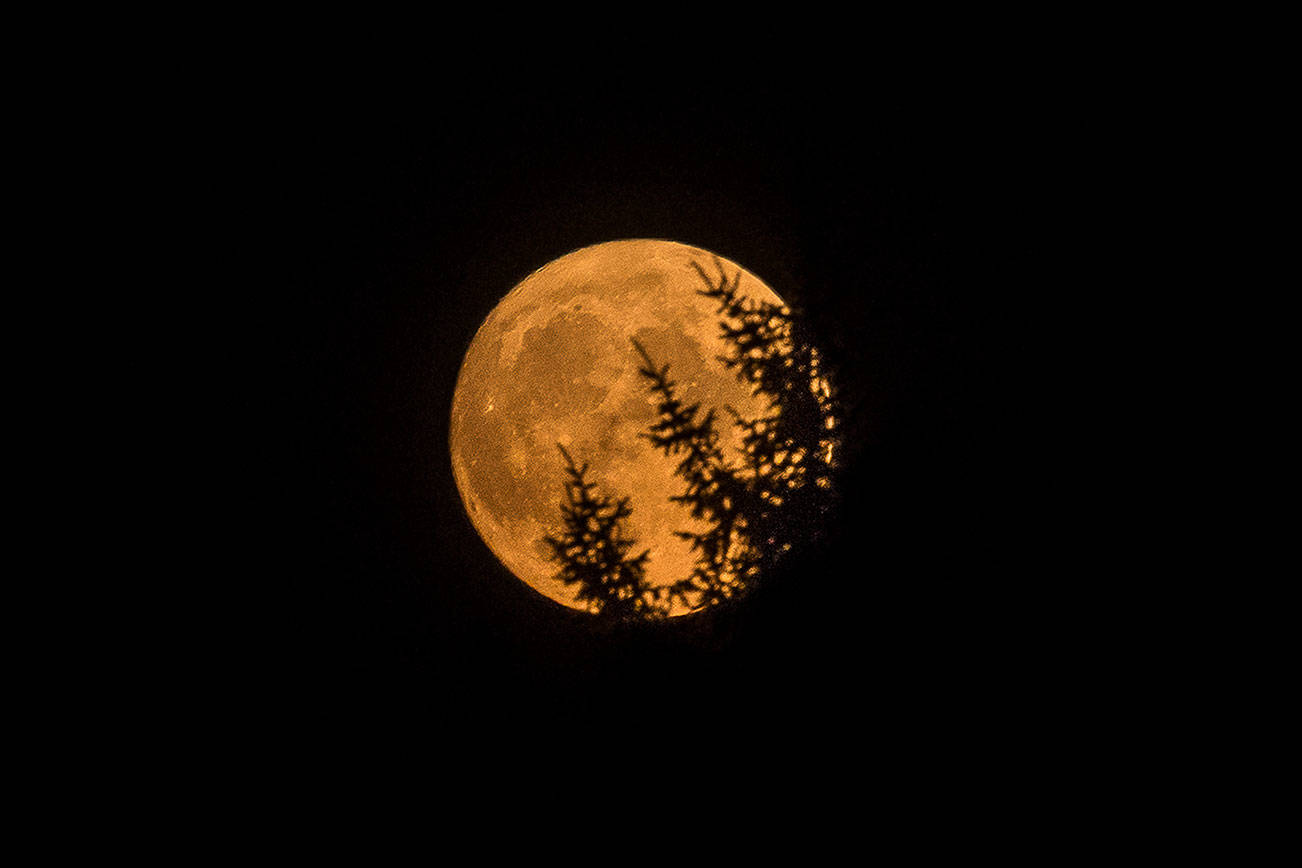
(553,363)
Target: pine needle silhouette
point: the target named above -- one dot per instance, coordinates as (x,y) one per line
(593,552)
(755,506)
(714,494)
(778,492)
(790,447)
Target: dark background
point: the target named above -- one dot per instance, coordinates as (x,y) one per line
(899,226)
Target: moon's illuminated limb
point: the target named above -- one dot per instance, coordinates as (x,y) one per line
(553,363)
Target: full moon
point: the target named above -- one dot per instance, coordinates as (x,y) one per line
(554,363)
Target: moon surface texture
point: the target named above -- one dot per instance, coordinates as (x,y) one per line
(554,363)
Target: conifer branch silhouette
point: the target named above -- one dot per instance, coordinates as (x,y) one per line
(791,446)
(779,492)
(593,552)
(755,507)
(713,494)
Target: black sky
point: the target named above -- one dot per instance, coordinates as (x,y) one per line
(407,216)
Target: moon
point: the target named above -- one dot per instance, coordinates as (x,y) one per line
(554,363)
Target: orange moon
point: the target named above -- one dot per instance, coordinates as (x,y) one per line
(554,363)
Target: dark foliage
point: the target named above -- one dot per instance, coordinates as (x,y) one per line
(780,489)
(755,506)
(593,552)
(715,493)
(790,449)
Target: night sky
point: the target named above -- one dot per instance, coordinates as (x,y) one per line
(407,217)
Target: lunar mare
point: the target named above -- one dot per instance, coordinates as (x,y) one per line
(554,363)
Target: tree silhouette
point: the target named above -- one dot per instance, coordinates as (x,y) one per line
(593,552)
(779,490)
(755,507)
(790,447)
(714,494)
